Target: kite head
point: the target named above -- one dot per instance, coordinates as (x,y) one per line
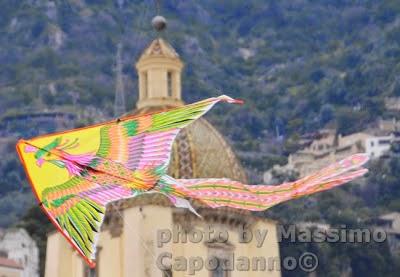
(44,154)
(55,153)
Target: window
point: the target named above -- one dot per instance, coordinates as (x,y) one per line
(220,271)
(90,272)
(221,253)
(93,272)
(167,273)
(384,141)
(145,88)
(169,83)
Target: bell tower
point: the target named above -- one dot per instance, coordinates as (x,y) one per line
(159,70)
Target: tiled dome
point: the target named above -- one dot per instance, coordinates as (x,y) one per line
(200,151)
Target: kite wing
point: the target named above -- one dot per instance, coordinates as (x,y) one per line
(145,142)
(74,174)
(227,193)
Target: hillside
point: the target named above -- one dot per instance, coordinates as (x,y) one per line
(300,65)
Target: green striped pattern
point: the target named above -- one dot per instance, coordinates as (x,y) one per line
(130,127)
(70,184)
(82,222)
(105,142)
(180,117)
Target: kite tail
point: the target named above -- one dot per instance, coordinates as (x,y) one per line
(228,193)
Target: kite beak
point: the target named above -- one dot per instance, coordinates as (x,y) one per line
(238,101)
(231,100)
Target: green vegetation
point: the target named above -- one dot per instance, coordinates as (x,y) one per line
(299,65)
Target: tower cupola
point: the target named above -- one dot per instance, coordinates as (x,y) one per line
(159,69)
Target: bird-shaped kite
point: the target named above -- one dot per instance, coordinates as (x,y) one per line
(76,173)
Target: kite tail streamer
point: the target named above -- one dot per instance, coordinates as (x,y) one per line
(175,192)
(228,193)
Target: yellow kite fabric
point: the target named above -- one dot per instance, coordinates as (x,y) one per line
(75,174)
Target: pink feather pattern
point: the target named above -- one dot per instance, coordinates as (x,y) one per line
(225,192)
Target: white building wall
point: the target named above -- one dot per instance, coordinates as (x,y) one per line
(22,249)
(329,149)
(377,146)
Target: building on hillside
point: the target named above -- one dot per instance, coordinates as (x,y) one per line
(326,150)
(392,103)
(390,223)
(16,245)
(10,268)
(388,126)
(308,225)
(330,147)
(321,152)
(380,145)
(128,243)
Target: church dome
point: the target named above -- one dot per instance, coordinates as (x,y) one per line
(200,151)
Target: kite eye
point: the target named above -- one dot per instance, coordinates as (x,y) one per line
(29,149)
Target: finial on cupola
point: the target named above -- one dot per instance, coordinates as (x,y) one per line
(159,23)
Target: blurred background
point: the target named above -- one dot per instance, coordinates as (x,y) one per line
(320,78)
